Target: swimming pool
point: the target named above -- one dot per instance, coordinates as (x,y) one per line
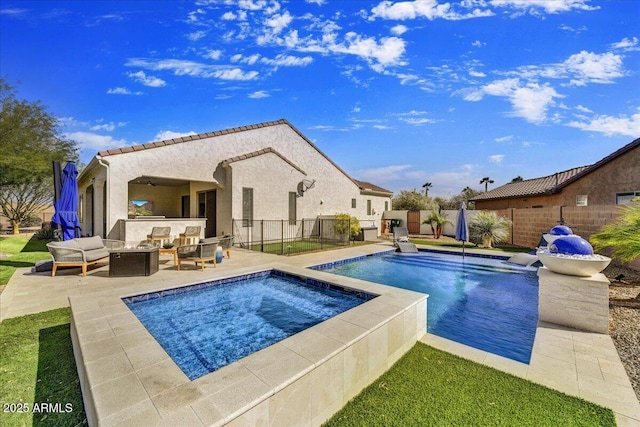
(209,325)
(481,302)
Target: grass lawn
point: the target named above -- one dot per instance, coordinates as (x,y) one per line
(428,387)
(24,253)
(299,246)
(37,366)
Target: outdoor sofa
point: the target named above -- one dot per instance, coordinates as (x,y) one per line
(81,252)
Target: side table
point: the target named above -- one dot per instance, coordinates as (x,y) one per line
(170,251)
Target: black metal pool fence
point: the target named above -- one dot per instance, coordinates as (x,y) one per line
(285,237)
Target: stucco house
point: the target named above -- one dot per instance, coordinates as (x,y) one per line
(263,171)
(613,180)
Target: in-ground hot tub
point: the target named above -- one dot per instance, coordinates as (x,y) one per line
(127,377)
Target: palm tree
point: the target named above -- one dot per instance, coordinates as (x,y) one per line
(426,187)
(486,181)
(489,228)
(437,222)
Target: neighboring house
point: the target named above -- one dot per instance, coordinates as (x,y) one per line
(613,180)
(254,172)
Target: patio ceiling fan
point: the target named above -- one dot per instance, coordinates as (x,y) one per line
(305,185)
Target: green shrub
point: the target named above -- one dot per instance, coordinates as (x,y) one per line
(45,233)
(488,228)
(347,224)
(623,235)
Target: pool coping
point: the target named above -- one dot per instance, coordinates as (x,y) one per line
(126,376)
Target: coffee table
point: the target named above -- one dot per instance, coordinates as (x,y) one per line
(133,262)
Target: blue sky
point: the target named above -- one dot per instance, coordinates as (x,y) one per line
(396,93)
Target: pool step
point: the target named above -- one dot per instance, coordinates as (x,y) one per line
(407,247)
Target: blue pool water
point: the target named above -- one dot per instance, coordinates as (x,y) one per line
(210,325)
(481,302)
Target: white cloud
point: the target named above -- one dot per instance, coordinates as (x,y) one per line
(196,35)
(399,30)
(259,94)
(610,125)
(478,43)
(529,101)
(415,121)
(150,81)
(548,6)
(474,73)
(214,54)
(122,91)
(279,22)
(108,127)
(496,158)
(288,61)
(583,109)
(589,67)
(506,138)
(169,134)
(93,141)
(429,9)
(384,174)
(192,69)
(626,44)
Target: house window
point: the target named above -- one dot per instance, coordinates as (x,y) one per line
(81,208)
(386,206)
(293,214)
(582,200)
(247,207)
(626,198)
(353,203)
(368,207)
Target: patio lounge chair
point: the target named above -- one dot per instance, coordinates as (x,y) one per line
(160,234)
(401,240)
(226,243)
(201,252)
(81,252)
(191,234)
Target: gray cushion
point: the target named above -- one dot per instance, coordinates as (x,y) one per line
(72,244)
(210,240)
(89,243)
(96,254)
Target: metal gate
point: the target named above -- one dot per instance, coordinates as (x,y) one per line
(413,222)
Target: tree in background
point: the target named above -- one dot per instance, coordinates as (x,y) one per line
(29,143)
(412,201)
(453,203)
(486,181)
(517,179)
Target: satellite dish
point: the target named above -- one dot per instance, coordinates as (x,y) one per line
(305,185)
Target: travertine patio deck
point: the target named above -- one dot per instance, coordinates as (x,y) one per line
(577,363)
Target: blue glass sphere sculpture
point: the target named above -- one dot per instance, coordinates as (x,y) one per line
(561,230)
(571,245)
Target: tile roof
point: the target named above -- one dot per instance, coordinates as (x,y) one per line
(367,186)
(364,186)
(552,183)
(531,187)
(156,144)
(260,153)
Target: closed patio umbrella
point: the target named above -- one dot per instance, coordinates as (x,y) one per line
(462,228)
(66,214)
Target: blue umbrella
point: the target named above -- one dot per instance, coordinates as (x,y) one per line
(66,215)
(462,228)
